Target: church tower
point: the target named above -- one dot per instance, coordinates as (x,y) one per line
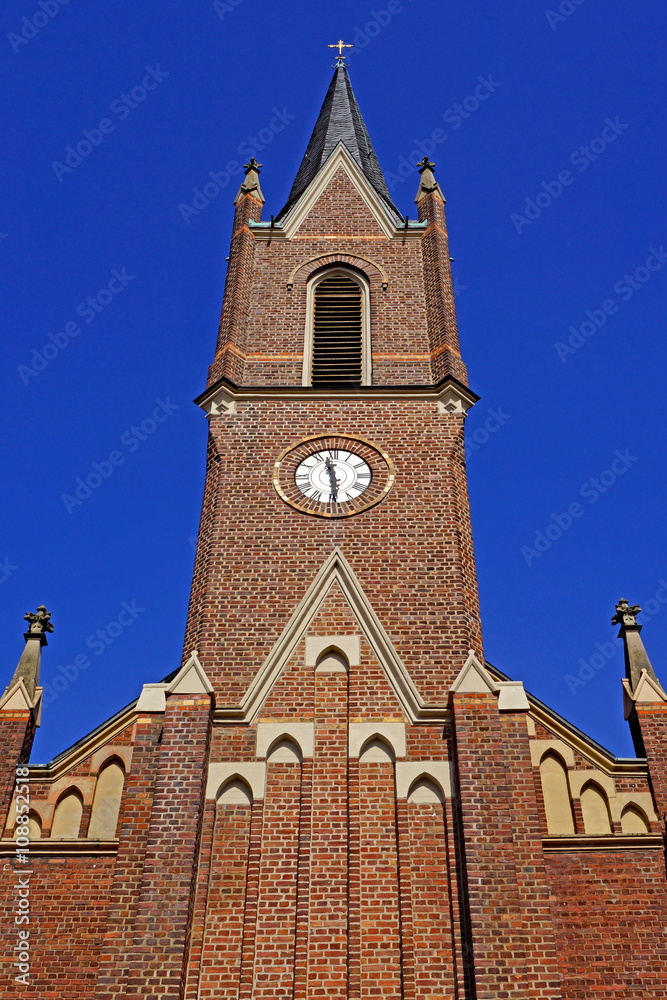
(336,405)
(334,796)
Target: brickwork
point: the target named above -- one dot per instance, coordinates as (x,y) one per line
(609,920)
(380,958)
(157,957)
(275,942)
(17,731)
(225,910)
(68,913)
(431,904)
(328,896)
(509,915)
(253,579)
(129,864)
(651,722)
(439,288)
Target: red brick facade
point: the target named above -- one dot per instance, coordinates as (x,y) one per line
(335,797)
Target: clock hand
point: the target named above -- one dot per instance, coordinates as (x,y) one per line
(332,477)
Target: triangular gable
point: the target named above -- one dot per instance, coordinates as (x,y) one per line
(191,678)
(336,570)
(474,678)
(333,626)
(340,158)
(17,699)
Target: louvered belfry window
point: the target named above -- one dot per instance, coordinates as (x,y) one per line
(337,332)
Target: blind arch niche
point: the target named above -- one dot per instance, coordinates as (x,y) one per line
(337,341)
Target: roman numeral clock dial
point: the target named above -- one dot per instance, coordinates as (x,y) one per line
(333,476)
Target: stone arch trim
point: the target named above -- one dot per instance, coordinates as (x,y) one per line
(408,773)
(556,793)
(107,800)
(301,733)
(105,755)
(374,272)
(219,774)
(361,733)
(284,750)
(241,792)
(434,791)
(595,810)
(348,646)
(69,790)
(376,748)
(72,791)
(633,809)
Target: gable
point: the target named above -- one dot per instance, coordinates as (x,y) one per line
(370,695)
(340,196)
(364,621)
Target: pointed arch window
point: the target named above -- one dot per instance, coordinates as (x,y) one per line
(337,348)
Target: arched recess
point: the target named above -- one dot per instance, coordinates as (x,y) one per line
(284,751)
(633,820)
(235,792)
(595,810)
(556,792)
(426,789)
(337,341)
(331,661)
(67,816)
(106,802)
(34,826)
(376,750)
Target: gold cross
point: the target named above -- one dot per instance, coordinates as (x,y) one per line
(340,46)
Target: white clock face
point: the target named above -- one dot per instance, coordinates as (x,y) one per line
(333,476)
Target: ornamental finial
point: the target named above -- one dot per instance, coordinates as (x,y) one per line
(625,614)
(40,621)
(425,164)
(340,45)
(427,182)
(250,183)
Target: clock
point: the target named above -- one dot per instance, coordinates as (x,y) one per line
(333,475)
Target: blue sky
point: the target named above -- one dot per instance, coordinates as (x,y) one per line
(547,127)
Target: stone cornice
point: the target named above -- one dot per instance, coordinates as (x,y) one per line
(61,847)
(450,394)
(73,756)
(622,842)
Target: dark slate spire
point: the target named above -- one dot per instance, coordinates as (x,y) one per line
(340,121)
